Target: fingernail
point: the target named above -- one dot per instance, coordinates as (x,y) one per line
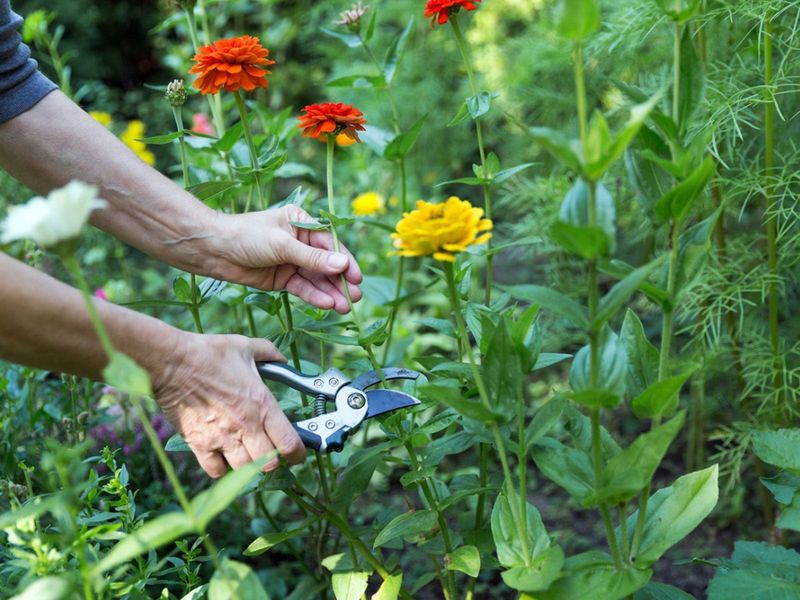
(337,261)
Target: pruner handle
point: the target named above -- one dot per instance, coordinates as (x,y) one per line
(325,384)
(333,442)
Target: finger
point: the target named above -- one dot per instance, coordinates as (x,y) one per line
(259,446)
(322,283)
(212,463)
(306,290)
(355,291)
(237,455)
(325,241)
(264,350)
(313,258)
(283,435)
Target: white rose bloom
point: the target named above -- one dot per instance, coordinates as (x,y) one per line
(57,218)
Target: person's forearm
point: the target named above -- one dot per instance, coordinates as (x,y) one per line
(56,141)
(45,324)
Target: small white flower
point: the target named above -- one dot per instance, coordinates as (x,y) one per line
(57,218)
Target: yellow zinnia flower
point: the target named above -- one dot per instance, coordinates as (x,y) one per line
(130,137)
(101,117)
(441,230)
(368,203)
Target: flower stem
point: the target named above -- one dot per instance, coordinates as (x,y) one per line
(214,103)
(487,187)
(248,136)
(455,303)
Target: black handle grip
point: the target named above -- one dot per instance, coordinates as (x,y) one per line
(310,440)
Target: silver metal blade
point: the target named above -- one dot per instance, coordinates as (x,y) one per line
(371,378)
(380,402)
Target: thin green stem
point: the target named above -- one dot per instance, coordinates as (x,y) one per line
(395,307)
(248,136)
(676,73)
(580,92)
(214,104)
(623,529)
(455,303)
(194,308)
(71,263)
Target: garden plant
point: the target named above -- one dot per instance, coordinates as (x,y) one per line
(577,219)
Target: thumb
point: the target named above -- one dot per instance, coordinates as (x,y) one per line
(315,259)
(264,350)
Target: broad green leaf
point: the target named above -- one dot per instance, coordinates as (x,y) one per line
(506,174)
(390,588)
(351,40)
(643,357)
(502,369)
(585,241)
(376,82)
(594,398)
(151,536)
(544,420)
(565,150)
(692,81)
(783,486)
(219,496)
(575,209)
(550,300)
(349,586)
(176,443)
(679,11)
(182,290)
(480,104)
(210,190)
(123,373)
(612,367)
(570,468)
(539,575)
(675,205)
(401,145)
(160,140)
(47,588)
(622,291)
(675,511)
(234,580)
(36,506)
(625,475)
(759,571)
(780,448)
(620,270)
(661,591)
(548,359)
(593,575)
(269,540)
(648,181)
(375,334)
(453,398)
(353,481)
(578,18)
(660,399)
(406,525)
(461,116)
(506,531)
(465,559)
(228,141)
(395,52)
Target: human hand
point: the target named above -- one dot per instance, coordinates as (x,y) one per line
(213,395)
(264,250)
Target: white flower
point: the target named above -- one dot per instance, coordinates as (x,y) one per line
(57,218)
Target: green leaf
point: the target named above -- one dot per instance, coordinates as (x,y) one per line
(465,559)
(660,399)
(757,570)
(182,290)
(544,420)
(584,241)
(675,511)
(578,18)
(218,497)
(349,586)
(779,448)
(461,116)
(692,81)
(269,540)
(36,506)
(548,359)
(643,357)
(622,291)
(613,363)
(539,575)
(564,149)
(228,141)
(354,480)
(626,474)
(390,588)
(311,226)
(507,174)
(575,209)
(570,468)
(551,300)
(351,40)
(152,535)
(176,443)
(47,588)
(395,52)
(376,82)
(123,373)
(593,575)
(234,580)
(401,145)
(661,591)
(160,140)
(452,397)
(679,11)
(506,531)
(210,190)
(502,369)
(480,104)
(406,525)
(676,204)
(375,334)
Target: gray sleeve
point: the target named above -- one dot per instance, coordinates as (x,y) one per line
(21,84)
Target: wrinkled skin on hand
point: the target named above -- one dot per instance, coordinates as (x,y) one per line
(215,398)
(264,250)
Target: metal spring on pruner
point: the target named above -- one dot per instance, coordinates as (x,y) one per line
(320,401)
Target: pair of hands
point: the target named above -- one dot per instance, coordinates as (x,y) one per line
(210,389)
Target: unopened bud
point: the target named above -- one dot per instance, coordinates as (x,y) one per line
(352,18)
(176,93)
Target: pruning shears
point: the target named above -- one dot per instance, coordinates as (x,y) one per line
(327,431)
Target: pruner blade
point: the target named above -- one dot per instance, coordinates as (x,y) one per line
(371,378)
(380,402)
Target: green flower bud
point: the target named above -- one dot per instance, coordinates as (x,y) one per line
(176,93)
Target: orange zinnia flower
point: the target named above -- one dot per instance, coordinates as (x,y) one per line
(332,119)
(440,10)
(232,63)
